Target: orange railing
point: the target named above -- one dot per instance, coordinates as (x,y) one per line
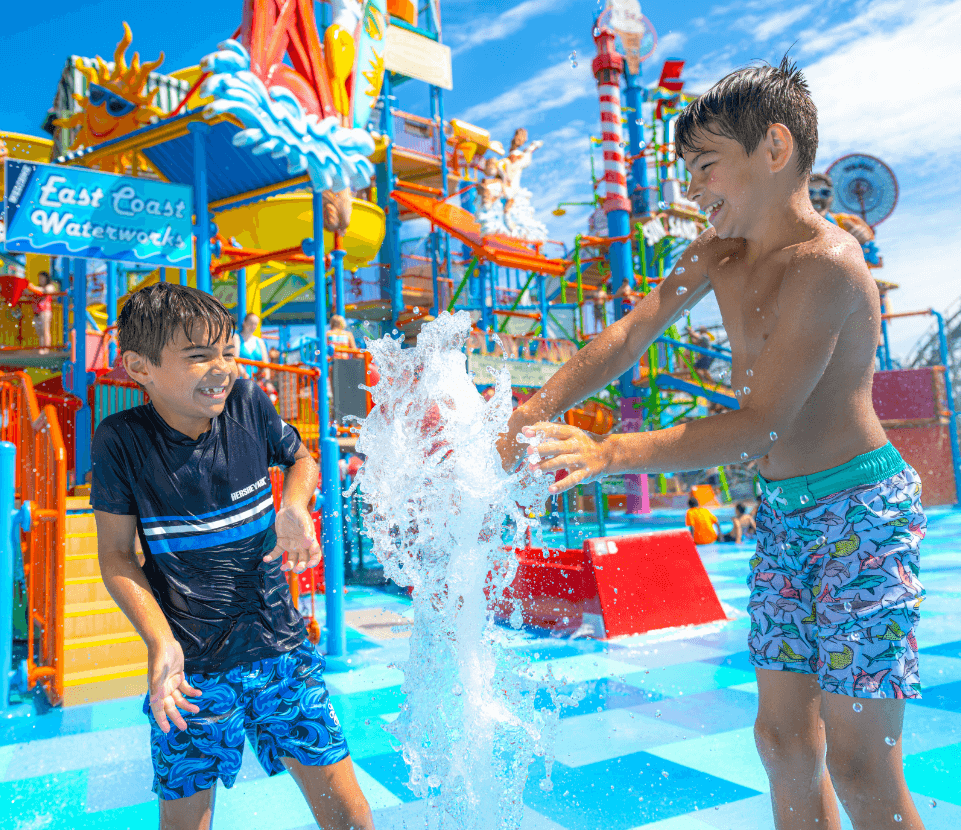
(41,479)
(295,390)
(25,335)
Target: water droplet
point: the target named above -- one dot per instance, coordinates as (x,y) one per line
(665,774)
(457,689)
(737,393)
(681,290)
(822,540)
(773,436)
(805,498)
(546,784)
(750,373)
(857,707)
(694,258)
(416,310)
(566,620)
(744,456)
(596,31)
(897,817)
(890,741)
(934,803)
(367,722)
(856,637)
(747,390)
(848,607)
(679,270)
(573,58)
(657,714)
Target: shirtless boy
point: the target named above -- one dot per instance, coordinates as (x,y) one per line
(835,593)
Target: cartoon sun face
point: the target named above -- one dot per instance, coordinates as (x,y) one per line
(115,103)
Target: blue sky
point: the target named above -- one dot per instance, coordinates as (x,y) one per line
(885,74)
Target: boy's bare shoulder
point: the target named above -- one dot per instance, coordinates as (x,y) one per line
(712,249)
(832,264)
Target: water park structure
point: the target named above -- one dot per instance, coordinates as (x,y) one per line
(278,176)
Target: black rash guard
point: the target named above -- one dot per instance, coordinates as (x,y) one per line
(205,516)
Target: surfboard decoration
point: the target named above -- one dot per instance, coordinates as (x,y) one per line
(368,74)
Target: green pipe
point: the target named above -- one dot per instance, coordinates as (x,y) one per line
(722,477)
(467,275)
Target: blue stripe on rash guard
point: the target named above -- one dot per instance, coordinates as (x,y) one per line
(222,511)
(203,541)
(189,526)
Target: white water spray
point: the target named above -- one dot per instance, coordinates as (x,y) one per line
(444,519)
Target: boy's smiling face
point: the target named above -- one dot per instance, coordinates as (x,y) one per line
(192,382)
(732,187)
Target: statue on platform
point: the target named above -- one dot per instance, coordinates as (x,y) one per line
(518,211)
(490,192)
(821,191)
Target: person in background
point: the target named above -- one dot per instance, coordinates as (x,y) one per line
(44,311)
(248,344)
(704,525)
(743,526)
(339,336)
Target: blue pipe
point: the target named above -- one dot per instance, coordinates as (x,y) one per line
(622,266)
(633,98)
(391,245)
(444,186)
(183,276)
(337,258)
(111,280)
(599,507)
(542,302)
(201,211)
(333,531)
(11,521)
(78,374)
(952,415)
(719,354)
(886,347)
(432,247)
(241,297)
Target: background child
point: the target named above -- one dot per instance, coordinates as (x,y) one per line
(227,653)
(704,525)
(835,592)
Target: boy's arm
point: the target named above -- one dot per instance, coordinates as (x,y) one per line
(127,584)
(294,524)
(616,349)
(818,295)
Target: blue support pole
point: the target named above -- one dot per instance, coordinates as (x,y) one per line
(241,297)
(634,98)
(183,276)
(952,415)
(11,521)
(433,241)
(886,344)
(619,224)
(201,211)
(333,541)
(78,374)
(438,96)
(599,508)
(63,280)
(385,184)
(337,259)
(542,302)
(111,301)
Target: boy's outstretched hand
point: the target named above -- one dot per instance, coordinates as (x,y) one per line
(564,447)
(295,534)
(168,685)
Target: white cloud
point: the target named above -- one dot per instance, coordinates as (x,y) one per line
(669,46)
(467,36)
(764,28)
(868,102)
(551,88)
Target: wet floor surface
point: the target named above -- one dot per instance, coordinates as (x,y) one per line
(662,739)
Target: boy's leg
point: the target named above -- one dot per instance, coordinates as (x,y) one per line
(333,794)
(789,734)
(867,771)
(191,813)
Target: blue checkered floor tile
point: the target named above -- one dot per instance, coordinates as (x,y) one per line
(663,739)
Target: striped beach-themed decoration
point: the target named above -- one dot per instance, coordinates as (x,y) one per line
(607,67)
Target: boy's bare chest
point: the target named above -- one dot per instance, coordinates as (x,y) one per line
(748,300)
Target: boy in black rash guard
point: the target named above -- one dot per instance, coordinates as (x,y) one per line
(227,650)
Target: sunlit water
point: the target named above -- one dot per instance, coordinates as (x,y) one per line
(444,519)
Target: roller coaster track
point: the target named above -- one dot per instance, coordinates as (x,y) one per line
(926,352)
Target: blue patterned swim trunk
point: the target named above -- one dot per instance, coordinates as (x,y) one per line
(281,704)
(834,583)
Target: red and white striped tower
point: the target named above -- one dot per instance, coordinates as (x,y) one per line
(607,68)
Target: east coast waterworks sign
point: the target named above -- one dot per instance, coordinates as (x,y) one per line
(75,212)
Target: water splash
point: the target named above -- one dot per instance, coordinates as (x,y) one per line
(335,157)
(444,520)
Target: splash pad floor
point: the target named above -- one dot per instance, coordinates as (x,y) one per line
(662,741)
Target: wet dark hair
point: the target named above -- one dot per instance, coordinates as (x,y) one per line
(151,317)
(692,502)
(743,105)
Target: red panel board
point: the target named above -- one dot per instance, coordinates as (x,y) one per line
(651,581)
(619,585)
(906,394)
(928,450)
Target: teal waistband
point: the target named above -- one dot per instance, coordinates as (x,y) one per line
(802,491)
